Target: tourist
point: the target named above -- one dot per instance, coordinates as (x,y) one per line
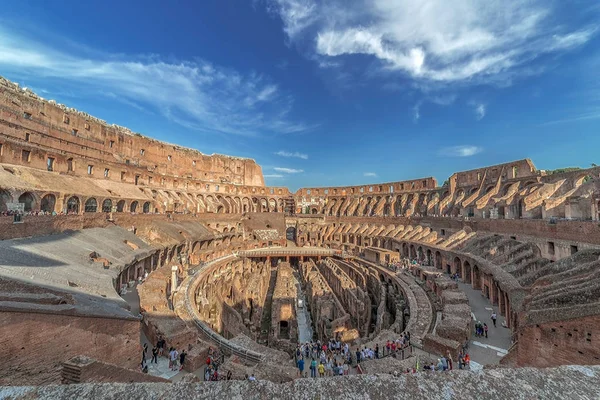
(485,330)
(207,374)
(173,355)
(144,352)
(154,355)
(494,317)
(377,351)
(444,363)
(329,367)
(346,368)
(321,369)
(439,366)
(313,368)
(252,378)
(358,356)
(449,359)
(467,360)
(161,345)
(182,359)
(301,366)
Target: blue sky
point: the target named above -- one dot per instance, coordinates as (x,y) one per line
(326,93)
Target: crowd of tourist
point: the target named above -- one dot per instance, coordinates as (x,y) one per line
(335,358)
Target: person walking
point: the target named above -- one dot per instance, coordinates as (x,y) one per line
(485,330)
(144,352)
(154,355)
(182,359)
(494,317)
(301,366)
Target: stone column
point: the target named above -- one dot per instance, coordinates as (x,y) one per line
(173,278)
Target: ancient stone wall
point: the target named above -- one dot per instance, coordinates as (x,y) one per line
(34,345)
(284,324)
(47,129)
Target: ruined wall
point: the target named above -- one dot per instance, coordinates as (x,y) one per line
(34,345)
(356,302)
(284,325)
(50,130)
(558,343)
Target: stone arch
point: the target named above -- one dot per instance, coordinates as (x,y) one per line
(489,188)
(73,205)
(466,272)
(48,203)
(272,205)
(146,207)
(133,206)
(107,206)
(91,205)
(120,205)
(457,267)
(405,250)
(290,233)
(28,199)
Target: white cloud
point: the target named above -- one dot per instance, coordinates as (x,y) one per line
(460,151)
(436,40)
(370,174)
(296,154)
(288,170)
(417,112)
(296,15)
(273,176)
(198,94)
(480,111)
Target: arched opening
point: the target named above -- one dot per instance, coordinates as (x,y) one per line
(467,272)
(120,205)
(28,199)
(91,205)
(220,210)
(107,206)
(438,260)
(457,268)
(73,205)
(48,203)
(290,233)
(313,211)
(146,207)
(133,206)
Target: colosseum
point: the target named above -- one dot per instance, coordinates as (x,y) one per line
(120,253)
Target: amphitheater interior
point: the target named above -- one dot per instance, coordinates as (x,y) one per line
(123,240)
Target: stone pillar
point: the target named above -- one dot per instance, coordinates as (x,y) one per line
(173,278)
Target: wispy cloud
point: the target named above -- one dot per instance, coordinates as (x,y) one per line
(437,40)
(196,94)
(296,154)
(370,174)
(460,151)
(288,170)
(480,111)
(273,176)
(417,112)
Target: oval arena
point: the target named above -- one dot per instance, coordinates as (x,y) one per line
(125,241)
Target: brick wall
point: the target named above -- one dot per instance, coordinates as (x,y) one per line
(34,346)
